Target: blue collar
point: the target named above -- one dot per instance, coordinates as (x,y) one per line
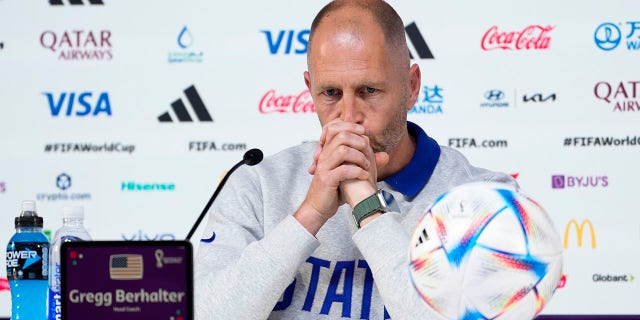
(412,178)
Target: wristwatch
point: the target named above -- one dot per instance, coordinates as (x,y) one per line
(370,205)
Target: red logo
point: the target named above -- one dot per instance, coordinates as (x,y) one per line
(78,45)
(4,284)
(562,282)
(272,102)
(533,37)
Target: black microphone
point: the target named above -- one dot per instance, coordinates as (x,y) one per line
(251,158)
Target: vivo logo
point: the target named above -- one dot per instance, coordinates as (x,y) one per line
(142,236)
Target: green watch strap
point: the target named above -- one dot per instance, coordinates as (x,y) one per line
(370,205)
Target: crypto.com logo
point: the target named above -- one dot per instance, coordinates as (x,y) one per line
(579,232)
(63,181)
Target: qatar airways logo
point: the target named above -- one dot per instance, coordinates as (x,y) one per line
(78,45)
(624,95)
(560,181)
(274,102)
(533,37)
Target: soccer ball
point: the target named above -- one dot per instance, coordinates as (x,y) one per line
(486,251)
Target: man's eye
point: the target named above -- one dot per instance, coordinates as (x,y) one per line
(330,92)
(371,90)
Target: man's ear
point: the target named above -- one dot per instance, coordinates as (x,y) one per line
(414,85)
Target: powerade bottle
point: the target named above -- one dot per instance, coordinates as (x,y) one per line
(27,266)
(72,230)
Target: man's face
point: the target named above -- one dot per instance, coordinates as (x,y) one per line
(353,77)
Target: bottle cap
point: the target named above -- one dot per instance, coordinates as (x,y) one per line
(28,216)
(71,212)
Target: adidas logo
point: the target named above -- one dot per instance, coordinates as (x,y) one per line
(416,39)
(181,112)
(75,2)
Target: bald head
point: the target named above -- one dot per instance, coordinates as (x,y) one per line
(351,16)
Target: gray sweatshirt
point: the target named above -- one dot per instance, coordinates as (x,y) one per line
(256,261)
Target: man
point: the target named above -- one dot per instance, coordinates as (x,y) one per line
(282,241)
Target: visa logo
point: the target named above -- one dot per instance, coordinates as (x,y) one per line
(143,236)
(79,104)
(284,41)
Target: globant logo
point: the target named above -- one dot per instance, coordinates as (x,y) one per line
(533,37)
(76,2)
(64,183)
(146,187)
(495,98)
(608,35)
(429,101)
(599,277)
(560,181)
(185,55)
(625,96)
(79,104)
(272,102)
(78,45)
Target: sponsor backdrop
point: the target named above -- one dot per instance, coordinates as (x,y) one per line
(135,109)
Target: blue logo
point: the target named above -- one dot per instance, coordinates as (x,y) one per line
(63,181)
(287,41)
(79,104)
(494,99)
(608,35)
(185,41)
(429,101)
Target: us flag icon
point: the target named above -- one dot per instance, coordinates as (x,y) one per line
(125,267)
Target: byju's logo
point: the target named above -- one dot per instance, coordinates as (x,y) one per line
(287,41)
(533,37)
(185,40)
(429,101)
(79,104)
(608,35)
(75,2)
(626,95)
(418,42)
(181,112)
(495,98)
(76,45)
(272,102)
(63,181)
(579,227)
(560,181)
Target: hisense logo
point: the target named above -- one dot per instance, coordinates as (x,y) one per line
(146,187)
(75,2)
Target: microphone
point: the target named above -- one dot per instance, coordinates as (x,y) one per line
(250,158)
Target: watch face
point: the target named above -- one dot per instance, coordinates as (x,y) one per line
(389,201)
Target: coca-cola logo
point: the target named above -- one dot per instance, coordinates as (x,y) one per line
(78,44)
(272,102)
(533,37)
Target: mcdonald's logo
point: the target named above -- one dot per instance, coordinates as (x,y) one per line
(580,232)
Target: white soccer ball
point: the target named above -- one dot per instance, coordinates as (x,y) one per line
(486,251)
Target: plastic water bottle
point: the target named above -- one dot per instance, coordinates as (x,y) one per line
(27,266)
(72,230)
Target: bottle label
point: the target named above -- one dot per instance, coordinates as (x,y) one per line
(28,261)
